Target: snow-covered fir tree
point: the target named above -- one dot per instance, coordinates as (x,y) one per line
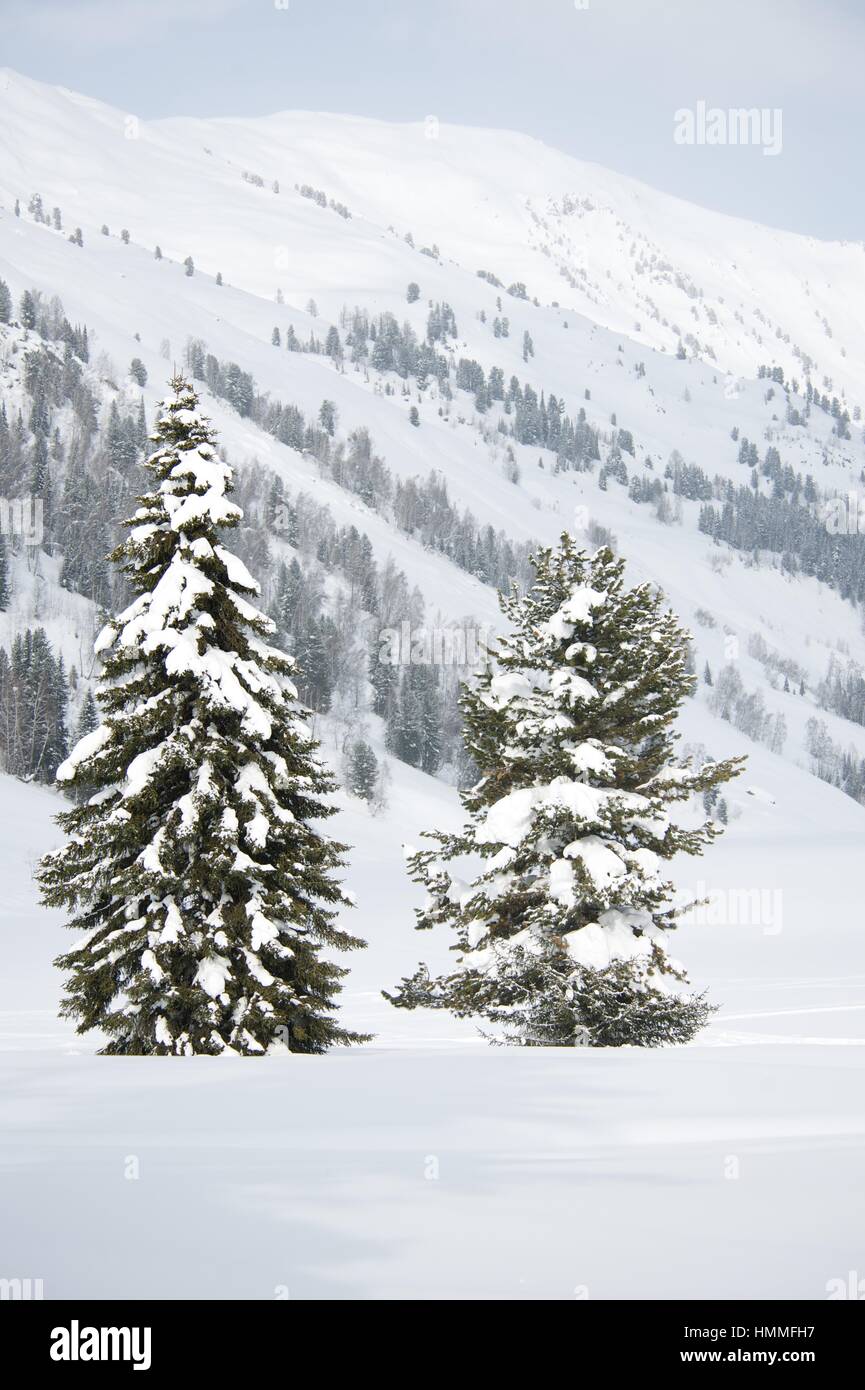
(195,868)
(363,773)
(554,886)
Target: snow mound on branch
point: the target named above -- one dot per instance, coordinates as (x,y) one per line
(508,821)
(614,938)
(84,749)
(507,686)
(174,598)
(577,608)
(620,934)
(212,973)
(237,572)
(570,686)
(598,860)
(211,506)
(141,769)
(590,757)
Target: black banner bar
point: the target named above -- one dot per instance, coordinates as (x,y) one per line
(83,1339)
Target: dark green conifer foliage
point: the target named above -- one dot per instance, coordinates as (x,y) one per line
(197,871)
(362,771)
(556,898)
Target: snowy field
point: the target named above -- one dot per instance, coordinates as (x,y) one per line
(437,1173)
(430,1165)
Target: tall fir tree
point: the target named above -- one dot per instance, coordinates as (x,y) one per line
(562,926)
(205,890)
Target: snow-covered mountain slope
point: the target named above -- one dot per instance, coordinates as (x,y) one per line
(180,184)
(135,305)
(599,244)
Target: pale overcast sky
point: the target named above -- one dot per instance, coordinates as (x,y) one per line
(601,80)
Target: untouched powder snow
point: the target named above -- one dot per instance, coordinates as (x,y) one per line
(686,1172)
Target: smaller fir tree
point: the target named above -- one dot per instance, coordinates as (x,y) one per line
(557,899)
